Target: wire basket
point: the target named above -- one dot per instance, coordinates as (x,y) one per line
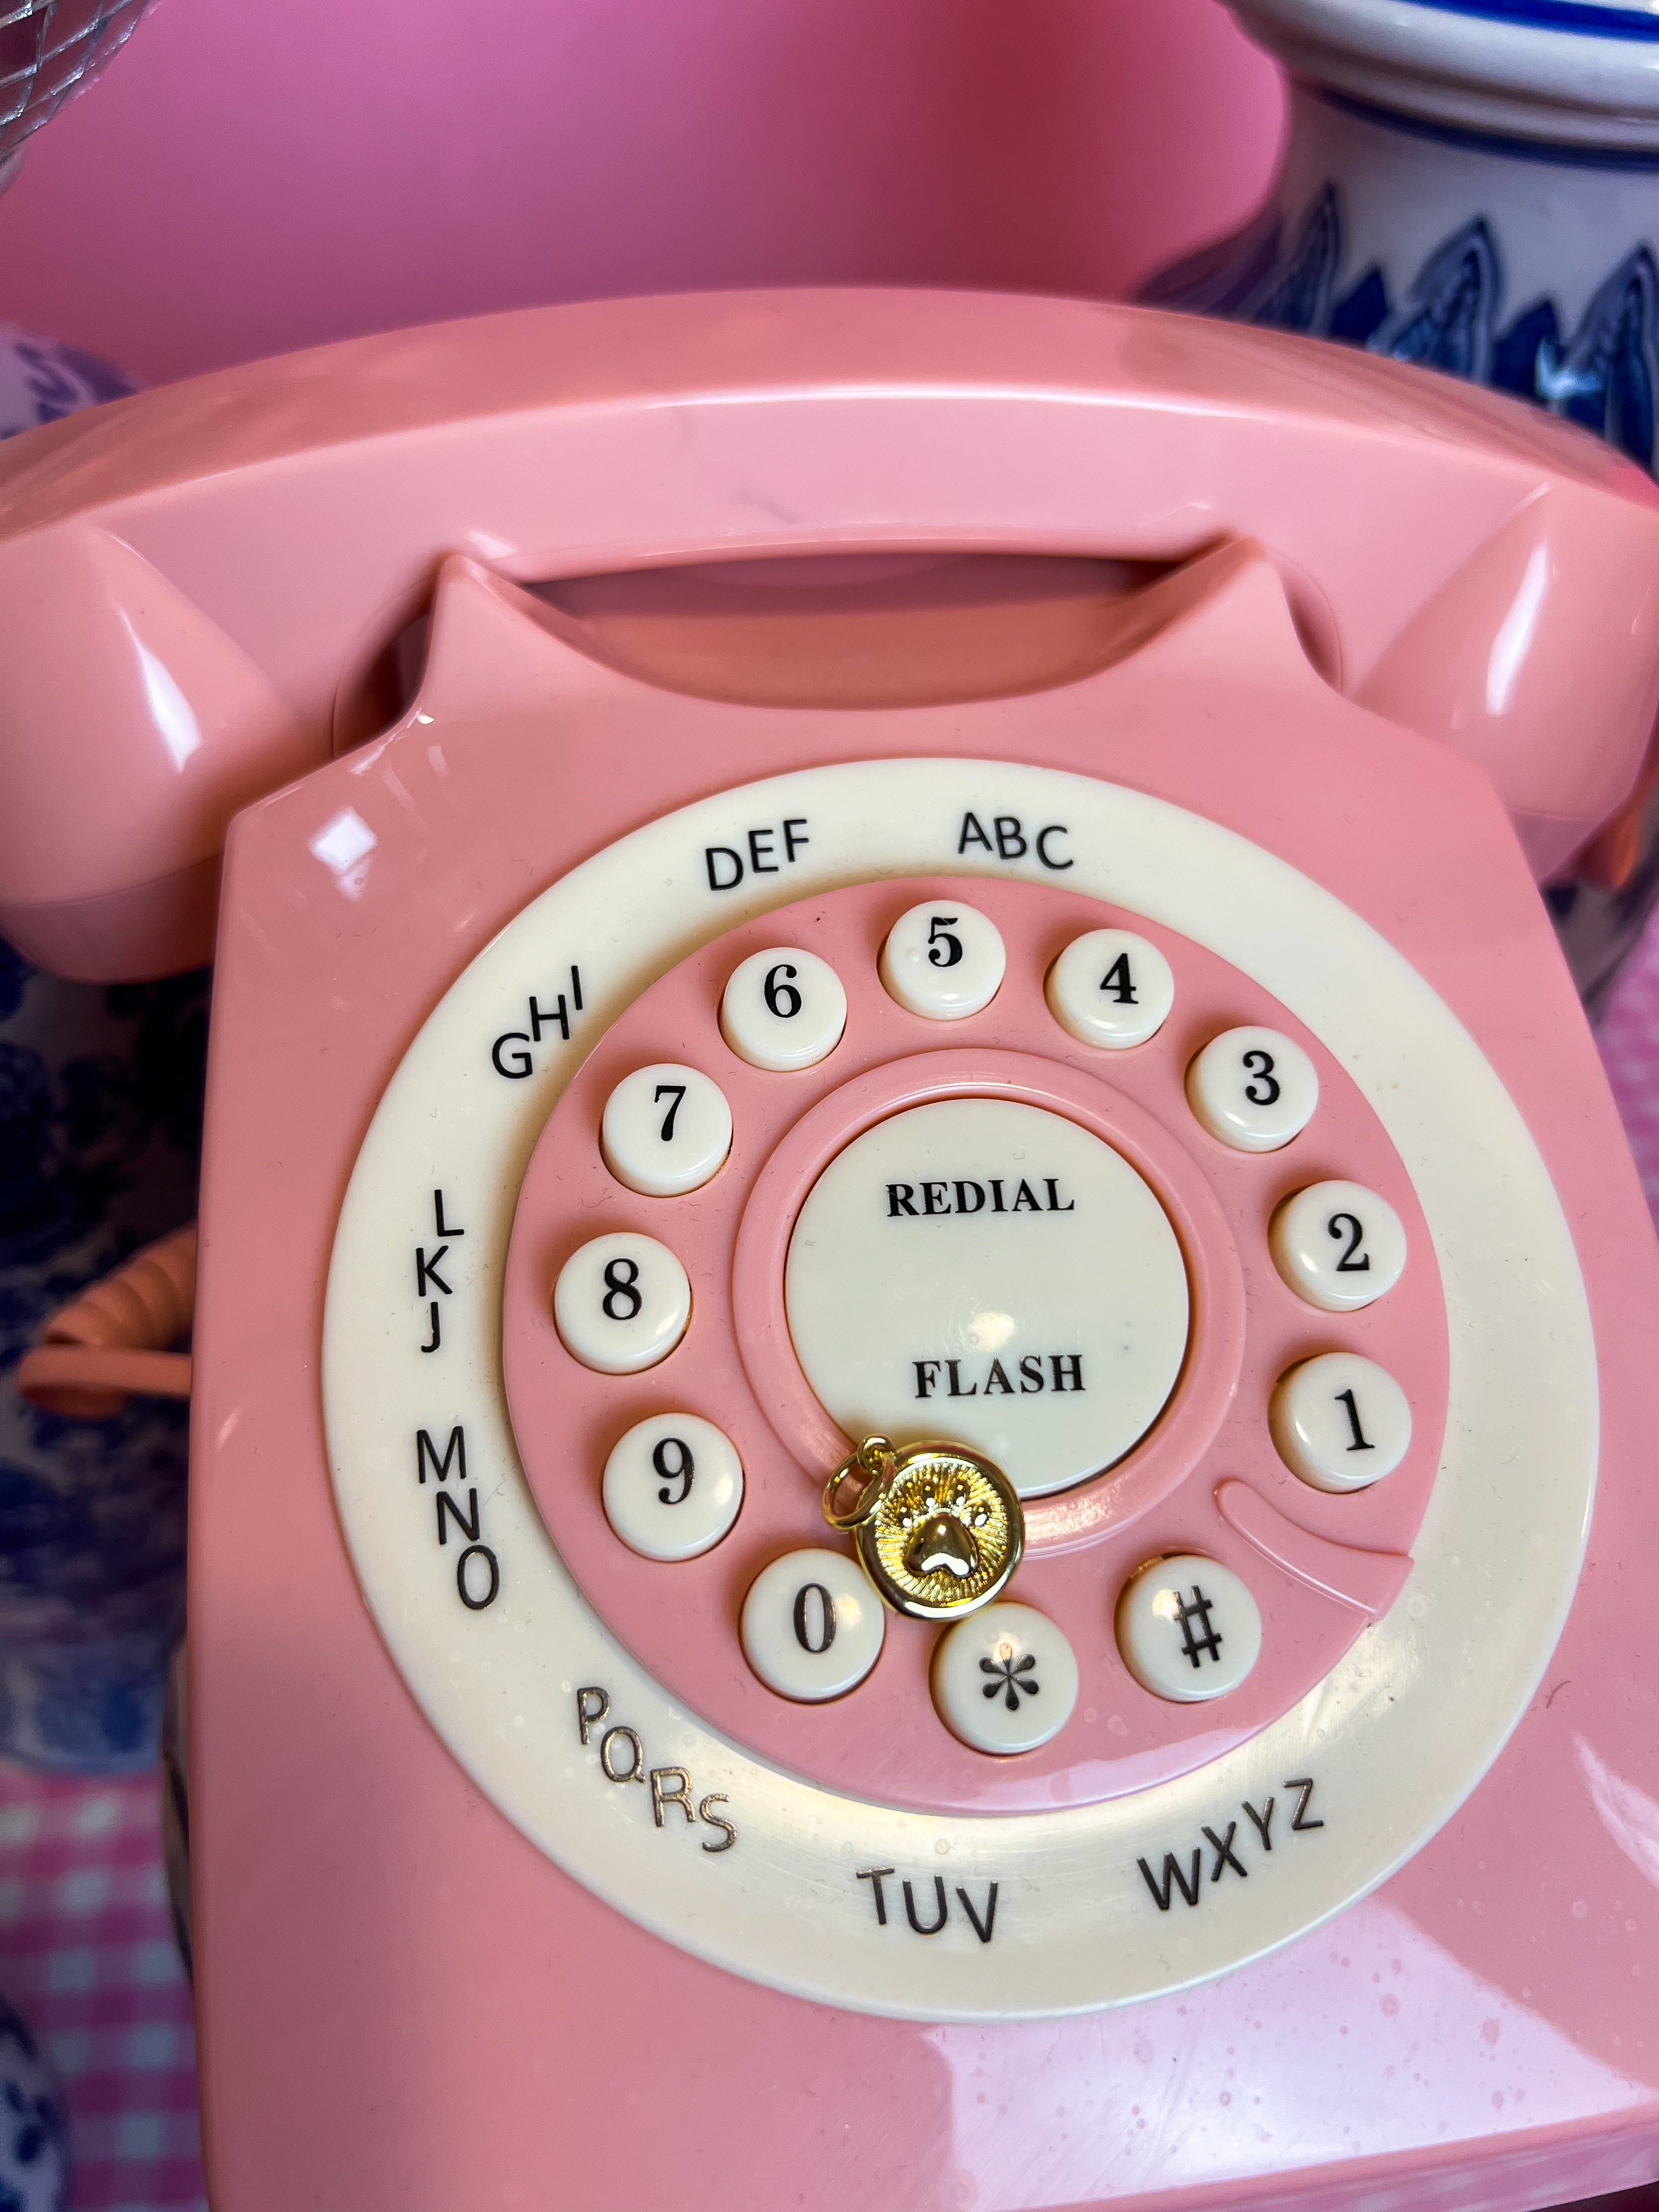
(49,49)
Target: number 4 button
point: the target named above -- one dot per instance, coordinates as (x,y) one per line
(1338,1245)
(1111,988)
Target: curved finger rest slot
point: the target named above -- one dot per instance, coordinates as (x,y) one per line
(1368,1581)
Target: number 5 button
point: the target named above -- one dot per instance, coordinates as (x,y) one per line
(665,1130)
(1253,1089)
(621,1304)
(1338,1245)
(813,1626)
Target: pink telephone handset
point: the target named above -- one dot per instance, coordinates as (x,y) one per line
(921,1383)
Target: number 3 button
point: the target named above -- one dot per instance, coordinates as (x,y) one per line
(1338,1245)
(1253,1089)
(622,1304)
(672,1486)
(813,1626)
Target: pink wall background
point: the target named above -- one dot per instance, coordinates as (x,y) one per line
(256,174)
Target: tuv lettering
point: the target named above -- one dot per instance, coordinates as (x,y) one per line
(927,1903)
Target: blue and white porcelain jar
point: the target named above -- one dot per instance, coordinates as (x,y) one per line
(101,1101)
(1472,186)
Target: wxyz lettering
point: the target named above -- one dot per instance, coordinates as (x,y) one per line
(1191,1874)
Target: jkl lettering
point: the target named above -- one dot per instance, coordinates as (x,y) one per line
(1193,1874)
(622,1760)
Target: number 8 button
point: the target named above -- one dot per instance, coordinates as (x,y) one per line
(621,1304)
(1253,1089)
(1338,1245)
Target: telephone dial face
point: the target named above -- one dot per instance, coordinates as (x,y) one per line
(1156,1188)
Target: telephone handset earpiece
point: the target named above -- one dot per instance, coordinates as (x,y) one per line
(192,582)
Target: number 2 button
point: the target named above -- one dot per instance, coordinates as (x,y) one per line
(1338,1245)
(621,1304)
(665,1130)
(1253,1089)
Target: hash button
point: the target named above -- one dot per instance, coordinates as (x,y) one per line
(1188,1628)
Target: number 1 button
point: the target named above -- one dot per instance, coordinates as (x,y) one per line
(665,1130)
(622,1304)
(1338,1245)
(1253,1089)
(1111,988)
(813,1626)
(783,1009)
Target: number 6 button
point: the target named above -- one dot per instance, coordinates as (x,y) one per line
(665,1130)
(622,1304)
(783,1009)
(1338,1245)
(672,1486)
(1253,1089)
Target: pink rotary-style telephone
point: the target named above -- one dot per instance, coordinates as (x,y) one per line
(922,1372)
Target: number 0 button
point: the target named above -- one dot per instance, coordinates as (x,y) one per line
(622,1304)
(1188,1629)
(811,1626)
(783,1009)
(1253,1089)
(1111,988)
(1338,1245)
(665,1130)
(943,962)
(672,1486)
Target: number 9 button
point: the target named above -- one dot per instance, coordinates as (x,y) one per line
(672,1486)
(622,1304)
(1253,1089)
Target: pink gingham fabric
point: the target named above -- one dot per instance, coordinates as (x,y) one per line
(86,1955)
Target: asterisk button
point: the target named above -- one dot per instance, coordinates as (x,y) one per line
(1005,1679)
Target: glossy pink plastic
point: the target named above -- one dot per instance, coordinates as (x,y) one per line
(736,1366)
(198,588)
(404,2006)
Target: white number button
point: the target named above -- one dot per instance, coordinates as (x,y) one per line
(1004,1680)
(1253,1089)
(666,1129)
(943,961)
(811,1626)
(783,1009)
(1340,1422)
(1338,1245)
(1111,988)
(1187,1629)
(622,1304)
(672,1486)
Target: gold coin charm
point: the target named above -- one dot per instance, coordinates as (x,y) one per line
(938,1528)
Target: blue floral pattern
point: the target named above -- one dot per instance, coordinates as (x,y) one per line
(34,2137)
(101,1104)
(1603,373)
